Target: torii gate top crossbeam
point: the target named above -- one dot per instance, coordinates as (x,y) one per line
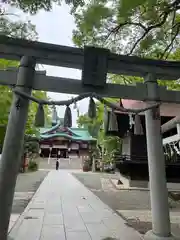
(71,57)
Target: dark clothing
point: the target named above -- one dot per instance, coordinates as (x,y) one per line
(57,165)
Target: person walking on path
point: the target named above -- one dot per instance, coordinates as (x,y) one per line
(57,164)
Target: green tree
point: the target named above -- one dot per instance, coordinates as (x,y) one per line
(148,29)
(107,144)
(33,6)
(20,29)
(144,28)
(27,31)
(30,128)
(5,102)
(93,125)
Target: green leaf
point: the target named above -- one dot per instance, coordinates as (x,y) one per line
(120,24)
(146,42)
(93,16)
(126,6)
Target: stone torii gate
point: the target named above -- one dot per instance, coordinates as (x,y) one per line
(95,64)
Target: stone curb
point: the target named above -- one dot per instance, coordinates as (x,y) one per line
(130,188)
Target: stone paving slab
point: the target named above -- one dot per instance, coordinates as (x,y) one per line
(63,208)
(145,215)
(19,196)
(142,220)
(13,219)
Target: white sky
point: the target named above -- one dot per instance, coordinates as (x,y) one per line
(56,27)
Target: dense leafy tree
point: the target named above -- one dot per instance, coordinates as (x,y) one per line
(30,128)
(22,30)
(93,125)
(108,145)
(145,28)
(5,103)
(18,29)
(33,6)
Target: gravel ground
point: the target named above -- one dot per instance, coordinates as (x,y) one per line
(132,205)
(26,186)
(120,199)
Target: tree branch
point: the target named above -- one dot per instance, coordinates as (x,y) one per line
(171,43)
(137,42)
(138,24)
(164,15)
(3,13)
(157,25)
(117,28)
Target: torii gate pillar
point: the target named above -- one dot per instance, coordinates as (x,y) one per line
(161,228)
(13,143)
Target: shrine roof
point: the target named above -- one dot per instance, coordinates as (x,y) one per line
(77,134)
(120,125)
(166,109)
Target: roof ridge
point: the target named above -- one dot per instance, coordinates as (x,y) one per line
(84,129)
(52,128)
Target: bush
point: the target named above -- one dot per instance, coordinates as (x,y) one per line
(33,166)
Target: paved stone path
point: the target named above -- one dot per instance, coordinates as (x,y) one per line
(133,205)
(26,186)
(63,208)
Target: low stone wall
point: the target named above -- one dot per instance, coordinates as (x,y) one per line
(128,183)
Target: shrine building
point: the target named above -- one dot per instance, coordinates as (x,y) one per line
(74,142)
(132,161)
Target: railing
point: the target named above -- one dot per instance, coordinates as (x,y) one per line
(123,157)
(136,167)
(120,158)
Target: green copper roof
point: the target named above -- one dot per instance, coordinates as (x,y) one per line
(77,134)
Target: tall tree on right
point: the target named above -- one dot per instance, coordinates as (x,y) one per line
(144,28)
(147,28)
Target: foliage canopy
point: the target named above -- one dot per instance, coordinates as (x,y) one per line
(24,30)
(33,6)
(144,28)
